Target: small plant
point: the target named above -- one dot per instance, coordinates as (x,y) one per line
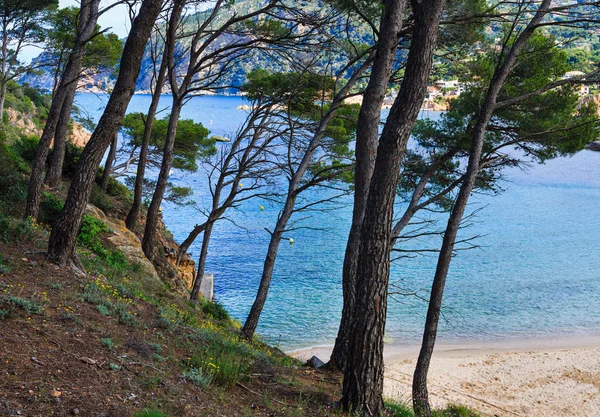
(29,305)
(50,209)
(150,412)
(159,358)
(89,235)
(56,286)
(114,367)
(198,377)
(4,313)
(4,269)
(103,310)
(215,310)
(107,343)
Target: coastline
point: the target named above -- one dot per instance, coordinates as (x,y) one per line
(557,377)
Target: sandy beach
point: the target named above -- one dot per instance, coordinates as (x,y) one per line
(532,378)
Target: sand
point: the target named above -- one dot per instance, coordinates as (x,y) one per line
(548,378)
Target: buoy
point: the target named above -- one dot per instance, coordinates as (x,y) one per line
(291,241)
(262,208)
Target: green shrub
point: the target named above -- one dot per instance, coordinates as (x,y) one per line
(72,155)
(13,230)
(29,305)
(107,343)
(102,309)
(114,188)
(215,310)
(225,360)
(454,410)
(4,313)
(100,199)
(198,377)
(150,412)
(4,269)
(26,147)
(13,185)
(50,209)
(89,234)
(37,98)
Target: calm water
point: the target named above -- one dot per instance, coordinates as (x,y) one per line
(536,273)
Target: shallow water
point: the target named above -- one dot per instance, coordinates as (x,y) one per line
(535,274)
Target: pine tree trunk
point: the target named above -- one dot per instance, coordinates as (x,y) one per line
(2,100)
(110,159)
(149,239)
(363,376)
(251,322)
(54,173)
(64,232)
(185,245)
(420,393)
(86,26)
(367,135)
(132,216)
(202,260)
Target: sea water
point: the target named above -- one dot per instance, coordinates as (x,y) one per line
(535,272)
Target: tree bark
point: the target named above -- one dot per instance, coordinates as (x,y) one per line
(64,232)
(149,239)
(110,159)
(54,173)
(363,376)
(85,28)
(263,289)
(367,134)
(202,259)
(132,216)
(2,100)
(419,390)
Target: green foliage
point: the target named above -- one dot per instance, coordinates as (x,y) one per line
(72,155)
(540,127)
(191,140)
(215,310)
(197,377)
(98,293)
(107,343)
(103,310)
(150,412)
(100,199)
(27,304)
(114,367)
(581,59)
(50,209)
(26,146)
(400,409)
(225,360)
(4,268)
(18,230)
(89,234)
(102,52)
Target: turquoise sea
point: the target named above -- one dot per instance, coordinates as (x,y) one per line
(535,274)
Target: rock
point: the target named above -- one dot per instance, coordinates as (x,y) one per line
(124,240)
(315,362)
(75,411)
(56,393)
(594,146)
